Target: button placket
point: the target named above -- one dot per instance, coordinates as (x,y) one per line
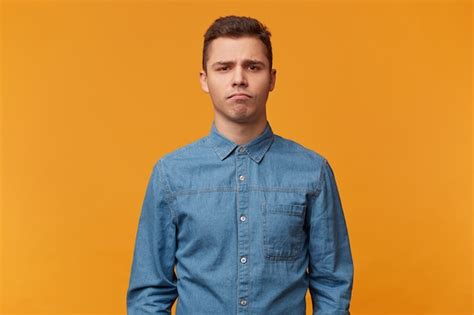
(243,233)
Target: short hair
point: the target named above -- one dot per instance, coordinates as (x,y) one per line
(234,27)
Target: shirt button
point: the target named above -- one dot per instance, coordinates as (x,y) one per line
(241,149)
(243,260)
(242,177)
(243,218)
(243,302)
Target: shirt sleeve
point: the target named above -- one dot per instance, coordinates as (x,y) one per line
(330,268)
(152,286)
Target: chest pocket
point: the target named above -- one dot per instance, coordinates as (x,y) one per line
(283,230)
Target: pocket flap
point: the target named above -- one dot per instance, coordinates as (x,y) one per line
(290,209)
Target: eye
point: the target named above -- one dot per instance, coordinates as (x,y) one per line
(223,68)
(254,67)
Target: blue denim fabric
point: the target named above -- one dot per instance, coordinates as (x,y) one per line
(249,228)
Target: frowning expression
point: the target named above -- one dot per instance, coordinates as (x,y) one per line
(238,78)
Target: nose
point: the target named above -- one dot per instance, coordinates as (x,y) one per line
(239,78)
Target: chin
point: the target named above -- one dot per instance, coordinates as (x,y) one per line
(239,117)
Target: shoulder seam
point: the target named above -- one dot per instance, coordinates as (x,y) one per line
(184,148)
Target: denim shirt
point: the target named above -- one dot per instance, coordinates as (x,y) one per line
(241,229)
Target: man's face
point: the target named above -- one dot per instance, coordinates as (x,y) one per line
(238,66)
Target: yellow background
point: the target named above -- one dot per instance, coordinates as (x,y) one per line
(94,92)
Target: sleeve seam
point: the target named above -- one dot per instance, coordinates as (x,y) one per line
(324,215)
(169,192)
(320,182)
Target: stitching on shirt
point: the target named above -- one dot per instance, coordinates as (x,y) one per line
(249,188)
(169,195)
(280,189)
(248,231)
(206,190)
(237,292)
(270,141)
(274,208)
(291,213)
(183,148)
(214,147)
(325,216)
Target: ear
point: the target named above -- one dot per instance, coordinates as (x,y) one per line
(272,79)
(203,80)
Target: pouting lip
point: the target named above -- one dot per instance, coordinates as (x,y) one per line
(237,94)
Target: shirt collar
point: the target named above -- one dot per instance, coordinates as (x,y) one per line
(255,148)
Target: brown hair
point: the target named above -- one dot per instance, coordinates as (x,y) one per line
(237,26)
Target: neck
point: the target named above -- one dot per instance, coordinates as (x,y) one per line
(240,133)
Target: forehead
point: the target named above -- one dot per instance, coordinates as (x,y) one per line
(229,48)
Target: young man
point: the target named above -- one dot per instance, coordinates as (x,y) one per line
(249,219)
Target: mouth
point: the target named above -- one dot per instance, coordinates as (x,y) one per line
(239,96)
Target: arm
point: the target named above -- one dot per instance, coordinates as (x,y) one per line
(152,287)
(331,268)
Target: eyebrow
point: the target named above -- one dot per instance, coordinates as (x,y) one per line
(245,62)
